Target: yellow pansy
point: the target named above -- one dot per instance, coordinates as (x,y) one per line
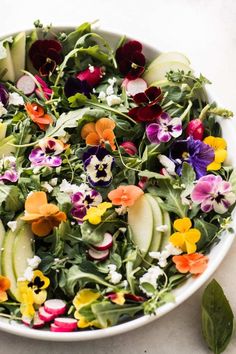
(186,238)
(94,214)
(26,297)
(219,146)
(84,323)
(118,298)
(83,298)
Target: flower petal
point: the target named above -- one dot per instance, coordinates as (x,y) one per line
(34,201)
(182,225)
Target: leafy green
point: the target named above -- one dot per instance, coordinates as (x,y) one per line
(73,36)
(217,318)
(208,231)
(10,196)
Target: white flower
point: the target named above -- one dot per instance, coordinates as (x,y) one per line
(47,186)
(12,225)
(150,277)
(15,99)
(114,276)
(34,262)
(113,100)
(68,188)
(2,109)
(28,274)
(167,163)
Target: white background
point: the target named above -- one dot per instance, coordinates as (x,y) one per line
(205,30)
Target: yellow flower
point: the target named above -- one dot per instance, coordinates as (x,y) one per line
(219,146)
(186,238)
(94,214)
(118,298)
(26,298)
(83,298)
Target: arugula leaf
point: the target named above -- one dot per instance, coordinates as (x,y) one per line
(207,230)
(172,198)
(217,318)
(73,37)
(10,195)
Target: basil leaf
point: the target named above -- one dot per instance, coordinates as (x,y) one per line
(217,318)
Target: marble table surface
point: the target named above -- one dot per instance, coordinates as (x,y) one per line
(205,30)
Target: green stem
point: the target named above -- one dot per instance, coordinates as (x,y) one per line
(107,108)
(204,112)
(11,317)
(186,111)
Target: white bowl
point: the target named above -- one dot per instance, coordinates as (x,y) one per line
(182,293)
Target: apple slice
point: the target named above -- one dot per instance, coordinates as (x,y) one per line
(158,72)
(140,220)
(170,56)
(167,233)
(6,148)
(18,53)
(7,64)
(2,235)
(3,130)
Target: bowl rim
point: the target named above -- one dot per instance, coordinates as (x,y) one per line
(224,245)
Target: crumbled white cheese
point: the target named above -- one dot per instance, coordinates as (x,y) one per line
(102,96)
(28,274)
(2,109)
(169,250)
(167,163)
(34,262)
(47,186)
(15,99)
(113,100)
(112,81)
(173,251)
(12,225)
(162,228)
(110,88)
(114,276)
(150,277)
(121,210)
(91,68)
(68,188)
(53,181)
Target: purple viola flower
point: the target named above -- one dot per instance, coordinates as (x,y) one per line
(4,95)
(213,193)
(196,153)
(74,85)
(39,158)
(164,129)
(98,164)
(8,172)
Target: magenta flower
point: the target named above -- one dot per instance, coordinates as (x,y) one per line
(47,92)
(130,59)
(164,129)
(38,157)
(93,75)
(213,193)
(8,172)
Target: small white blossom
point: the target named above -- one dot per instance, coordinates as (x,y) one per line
(114,276)
(150,277)
(2,109)
(47,186)
(113,100)
(15,99)
(12,225)
(68,188)
(34,262)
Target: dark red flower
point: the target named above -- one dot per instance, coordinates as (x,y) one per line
(130,59)
(93,75)
(73,86)
(148,105)
(45,54)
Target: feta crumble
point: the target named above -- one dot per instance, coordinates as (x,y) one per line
(12,225)
(150,277)
(34,262)
(2,109)
(15,99)
(113,100)
(28,274)
(114,276)
(169,250)
(91,68)
(68,188)
(47,186)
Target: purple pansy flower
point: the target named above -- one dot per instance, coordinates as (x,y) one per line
(196,153)
(98,164)
(213,193)
(83,200)
(39,158)
(164,129)
(8,172)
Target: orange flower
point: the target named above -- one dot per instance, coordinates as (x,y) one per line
(4,286)
(99,133)
(194,263)
(36,113)
(125,195)
(43,216)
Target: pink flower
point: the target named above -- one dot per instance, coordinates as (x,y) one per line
(213,193)
(93,75)
(46,90)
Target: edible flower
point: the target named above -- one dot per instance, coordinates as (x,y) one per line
(213,193)
(164,129)
(219,146)
(148,108)
(130,59)
(125,195)
(98,164)
(4,286)
(38,116)
(129,147)
(8,172)
(186,237)
(47,92)
(45,55)
(74,85)
(195,152)
(42,215)
(94,214)
(30,293)
(99,133)
(92,75)
(83,298)
(4,95)
(82,200)
(117,298)
(195,263)
(195,128)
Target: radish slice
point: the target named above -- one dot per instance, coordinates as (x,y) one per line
(136,86)
(55,307)
(26,85)
(45,316)
(105,244)
(37,322)
(55,328)
(66,323)
(98,255)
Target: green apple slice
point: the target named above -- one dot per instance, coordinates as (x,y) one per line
(140,220)
(6,64)
(5,148)
(2,235)
(167,233)
(29,41)
(3,130)
(18,54)
(158,72)
(170,56)
(22,250)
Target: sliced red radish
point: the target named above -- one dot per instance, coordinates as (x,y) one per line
(98,255)
(55,307)
(45,316)
(66,323)
(105,244)
(37,322)
(55,328)
(136,86)
(26,84)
